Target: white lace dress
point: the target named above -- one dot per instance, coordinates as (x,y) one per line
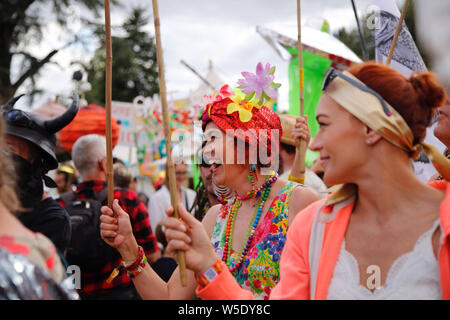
(412,276)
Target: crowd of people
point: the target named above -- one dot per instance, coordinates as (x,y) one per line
(359,242)
(357,225)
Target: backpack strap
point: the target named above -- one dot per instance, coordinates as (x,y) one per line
(68,197)
(102,196)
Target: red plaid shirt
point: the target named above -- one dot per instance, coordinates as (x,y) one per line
(95,282)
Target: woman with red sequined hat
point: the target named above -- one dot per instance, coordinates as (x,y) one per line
(248,229)
(381,234)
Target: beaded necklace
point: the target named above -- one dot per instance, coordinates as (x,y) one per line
(257,192)
(252,226)
(254,193)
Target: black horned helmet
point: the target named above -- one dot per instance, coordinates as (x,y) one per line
(37,130)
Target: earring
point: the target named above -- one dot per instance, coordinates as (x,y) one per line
(252,174)
(223,193)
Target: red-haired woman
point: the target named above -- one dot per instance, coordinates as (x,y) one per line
(383,234)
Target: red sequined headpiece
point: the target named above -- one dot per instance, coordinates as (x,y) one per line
(256,131)
(244,114)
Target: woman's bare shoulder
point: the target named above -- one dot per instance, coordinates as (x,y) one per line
(301,198)
(210,218)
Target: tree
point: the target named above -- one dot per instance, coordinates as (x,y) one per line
(134,67)
(352,40)
(20,24)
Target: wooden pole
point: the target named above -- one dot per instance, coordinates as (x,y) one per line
(166,124)
(361,37)
(298,169)
(397,32)
(108,97)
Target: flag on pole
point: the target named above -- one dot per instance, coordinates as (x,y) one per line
(406,59)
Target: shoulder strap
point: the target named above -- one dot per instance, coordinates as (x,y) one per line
(68,197)
(102,196)
(186,203)
(287,189)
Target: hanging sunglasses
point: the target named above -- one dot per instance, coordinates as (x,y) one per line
(333,73)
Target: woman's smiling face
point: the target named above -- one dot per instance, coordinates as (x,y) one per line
(340,142)
(215,151)
(221,151)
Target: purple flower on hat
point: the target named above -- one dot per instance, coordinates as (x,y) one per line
(261,83)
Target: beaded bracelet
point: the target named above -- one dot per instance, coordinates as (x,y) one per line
(298,180)
(210,274)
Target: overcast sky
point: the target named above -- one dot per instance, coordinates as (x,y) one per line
(196,31)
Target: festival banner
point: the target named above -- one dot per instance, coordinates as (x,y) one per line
(406,58)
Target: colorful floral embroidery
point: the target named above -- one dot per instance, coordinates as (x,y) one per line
(260,271)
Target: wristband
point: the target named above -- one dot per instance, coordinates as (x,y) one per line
(298,180)
(210,274)
(134,264)
(134,272)
(132,268)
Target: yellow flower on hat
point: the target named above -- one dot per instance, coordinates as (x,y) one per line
(242,106)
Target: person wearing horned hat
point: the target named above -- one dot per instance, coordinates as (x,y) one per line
(30,141)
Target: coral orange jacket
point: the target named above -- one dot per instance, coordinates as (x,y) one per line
(311,251)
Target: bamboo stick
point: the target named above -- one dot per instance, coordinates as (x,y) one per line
(397,32)
(108,97)
(166,124)
(298,169)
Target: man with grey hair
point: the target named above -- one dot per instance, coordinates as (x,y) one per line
(89,158)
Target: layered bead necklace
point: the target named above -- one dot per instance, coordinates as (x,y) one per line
(262,191)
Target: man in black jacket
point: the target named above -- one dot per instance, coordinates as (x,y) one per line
(31,142)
